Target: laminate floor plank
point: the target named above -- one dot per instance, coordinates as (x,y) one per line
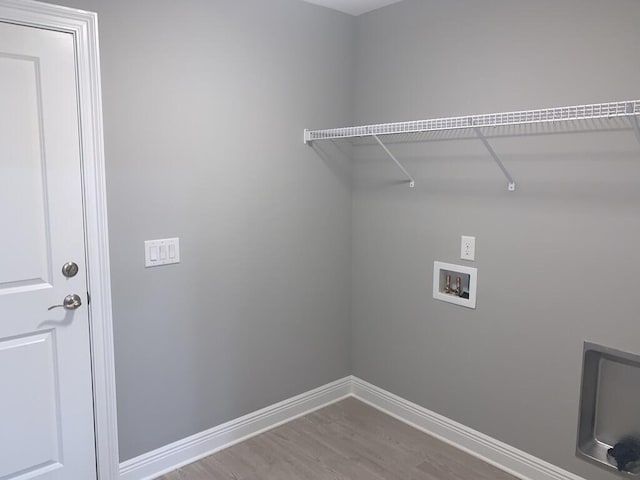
(347,440)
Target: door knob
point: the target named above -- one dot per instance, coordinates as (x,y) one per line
(70,302)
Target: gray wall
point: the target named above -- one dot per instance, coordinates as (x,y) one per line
(204,104)
(556,259)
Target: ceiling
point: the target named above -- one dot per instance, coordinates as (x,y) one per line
(353,7)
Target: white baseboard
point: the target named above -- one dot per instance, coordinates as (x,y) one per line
(170,457)
(516,462)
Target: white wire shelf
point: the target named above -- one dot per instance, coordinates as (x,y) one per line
(629,109)
(545,115)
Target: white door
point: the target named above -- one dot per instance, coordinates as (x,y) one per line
(46,405)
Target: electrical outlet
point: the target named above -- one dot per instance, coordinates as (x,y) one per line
(468,248)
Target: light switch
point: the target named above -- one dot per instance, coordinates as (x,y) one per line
(161,252)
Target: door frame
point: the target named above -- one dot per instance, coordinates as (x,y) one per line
(84,27)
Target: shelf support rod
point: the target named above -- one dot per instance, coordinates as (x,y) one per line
(412,182)
(512,183)
(634,124)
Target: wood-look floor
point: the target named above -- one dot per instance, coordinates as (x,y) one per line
(346,440)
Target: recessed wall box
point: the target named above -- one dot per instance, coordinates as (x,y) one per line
(455,284)
(609,405)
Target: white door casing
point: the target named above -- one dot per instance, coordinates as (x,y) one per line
(40,213)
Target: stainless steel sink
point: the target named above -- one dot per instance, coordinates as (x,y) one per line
(609,404)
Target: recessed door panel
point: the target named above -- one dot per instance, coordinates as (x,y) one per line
(24,260)
(28,375)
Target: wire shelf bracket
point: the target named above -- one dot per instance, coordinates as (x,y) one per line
(634,125)
(511,185)
(412,182)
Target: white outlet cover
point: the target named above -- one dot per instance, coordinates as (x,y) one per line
(468,248)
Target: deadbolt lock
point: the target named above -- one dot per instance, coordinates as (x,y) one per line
(70,269)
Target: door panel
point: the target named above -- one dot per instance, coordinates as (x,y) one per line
(25,260)
(46,404)
(33,400)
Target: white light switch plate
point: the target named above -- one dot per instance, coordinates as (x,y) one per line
(161,252)
(468,248)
